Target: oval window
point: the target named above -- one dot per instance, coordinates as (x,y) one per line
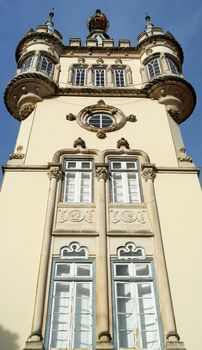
(100,121)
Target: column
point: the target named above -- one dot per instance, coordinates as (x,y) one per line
(102,301)
(35,340)
(172,336)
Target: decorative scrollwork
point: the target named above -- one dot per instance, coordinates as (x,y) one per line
(70,117)
(123,143)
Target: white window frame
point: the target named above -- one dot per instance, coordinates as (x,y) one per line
(172,66)
(133,282)
(119,77)
(45,65)
(156,70)
(124,173)
(27,64)
(79,80)
(65,322)
(77,175)
(99,76)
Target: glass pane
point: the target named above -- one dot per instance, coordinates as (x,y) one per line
(144,290)
(71,165)
(126,321)
(83,270)
(83,289)
(122,270)
(126,339)
(59,340)
(150,340)
(62,270)
(123,289)
(142,270)
(131,165)
(83,322)
(148,323)
(116,165)
(82,340)
(86,165)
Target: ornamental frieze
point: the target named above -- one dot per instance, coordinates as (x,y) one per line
(75,215)
(128,216)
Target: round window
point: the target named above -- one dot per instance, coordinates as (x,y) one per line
(100,121)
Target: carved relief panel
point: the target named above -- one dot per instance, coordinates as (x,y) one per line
(128,220)
(75,219)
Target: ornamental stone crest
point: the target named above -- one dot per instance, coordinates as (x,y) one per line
(148,174)
(54,172)
(101,171)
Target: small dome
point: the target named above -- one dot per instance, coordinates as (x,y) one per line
(98,21)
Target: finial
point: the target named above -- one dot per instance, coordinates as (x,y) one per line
(51,14)
(147,17)
(50,23)
(149,25)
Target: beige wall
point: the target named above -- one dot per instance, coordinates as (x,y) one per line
(50,131)
(22,213)
(180,206)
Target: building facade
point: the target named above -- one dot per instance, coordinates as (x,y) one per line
(100,204)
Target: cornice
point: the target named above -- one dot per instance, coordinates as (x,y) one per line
(99,91)
(36,35)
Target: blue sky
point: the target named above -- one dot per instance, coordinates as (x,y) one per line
(182,18)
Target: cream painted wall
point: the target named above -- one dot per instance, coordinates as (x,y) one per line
(51,131)
(180,206)
(23,201)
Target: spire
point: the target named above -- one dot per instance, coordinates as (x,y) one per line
(149,25)
(49,23)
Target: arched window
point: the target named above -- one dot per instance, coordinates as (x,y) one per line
(71,322)
(135,309)
(153,67)
(27,64)
(45,65)
(172,66)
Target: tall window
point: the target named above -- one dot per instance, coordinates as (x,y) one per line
(100,76)
(27,64)
(45,65)
(125,186)
(172,65)
(70,320)
(135,306)
(77,180)
(79,76)
(119,77)
(153,68)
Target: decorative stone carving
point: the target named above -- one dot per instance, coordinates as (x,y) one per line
(128,216)
(148,174)
(81,60)
(101,134)
(174,112)
(132,118)
(79,142)
(54,172)
(101,171)
(70,116)
(101,102)
(118,61)
(183,157)
(75,215)
(100,60)
(123,143)
(18,154)
(26,109)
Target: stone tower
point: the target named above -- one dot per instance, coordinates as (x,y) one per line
(100,204)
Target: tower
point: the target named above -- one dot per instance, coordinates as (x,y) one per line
(98,249)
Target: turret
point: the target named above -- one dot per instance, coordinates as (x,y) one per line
(161,58)
(37,57)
